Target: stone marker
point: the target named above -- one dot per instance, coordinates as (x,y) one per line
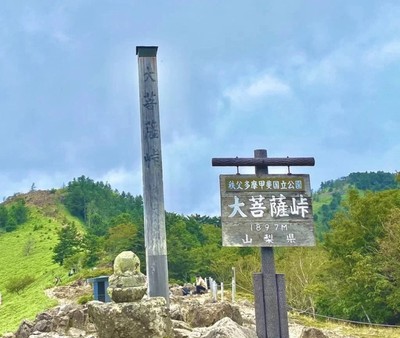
(130,316)
(127,284)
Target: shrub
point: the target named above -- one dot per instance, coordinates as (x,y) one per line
(96,273)
(17,284)
(29,246)
(37,227)
(85,298)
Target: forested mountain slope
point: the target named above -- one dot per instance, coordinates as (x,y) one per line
(328,198)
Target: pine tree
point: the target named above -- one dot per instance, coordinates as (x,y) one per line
(70,243)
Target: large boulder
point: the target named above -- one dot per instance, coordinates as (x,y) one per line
(207,314)
(148,318)
(181,329)
(224,328)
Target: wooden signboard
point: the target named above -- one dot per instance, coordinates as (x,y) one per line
(266,211)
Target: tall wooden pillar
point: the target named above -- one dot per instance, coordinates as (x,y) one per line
(153,193)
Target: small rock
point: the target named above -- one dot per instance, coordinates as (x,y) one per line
(24,329)
(311,332)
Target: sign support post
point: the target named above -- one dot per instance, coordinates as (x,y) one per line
(153,193)
(268,297)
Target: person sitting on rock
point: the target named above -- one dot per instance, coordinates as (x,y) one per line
(201,286)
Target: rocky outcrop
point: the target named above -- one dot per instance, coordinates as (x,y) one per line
(69,294)
(73,321)
(24,329)
(188,317)
(148,318)
(132,316)
(62,321)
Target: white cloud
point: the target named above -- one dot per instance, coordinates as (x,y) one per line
(356,56)
(383,54)
(42,181)
(52,24)
(324,71)
(61,37)
(267,85)
(184,185)
(252,91)
(124,180)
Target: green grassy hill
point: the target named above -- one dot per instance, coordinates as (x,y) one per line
(27,254)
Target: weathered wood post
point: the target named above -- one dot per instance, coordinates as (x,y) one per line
(267,210)
(153,193)
(267,311)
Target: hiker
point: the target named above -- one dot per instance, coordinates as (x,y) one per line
(201,286)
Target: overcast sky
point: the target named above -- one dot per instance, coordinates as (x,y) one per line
(298,78)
